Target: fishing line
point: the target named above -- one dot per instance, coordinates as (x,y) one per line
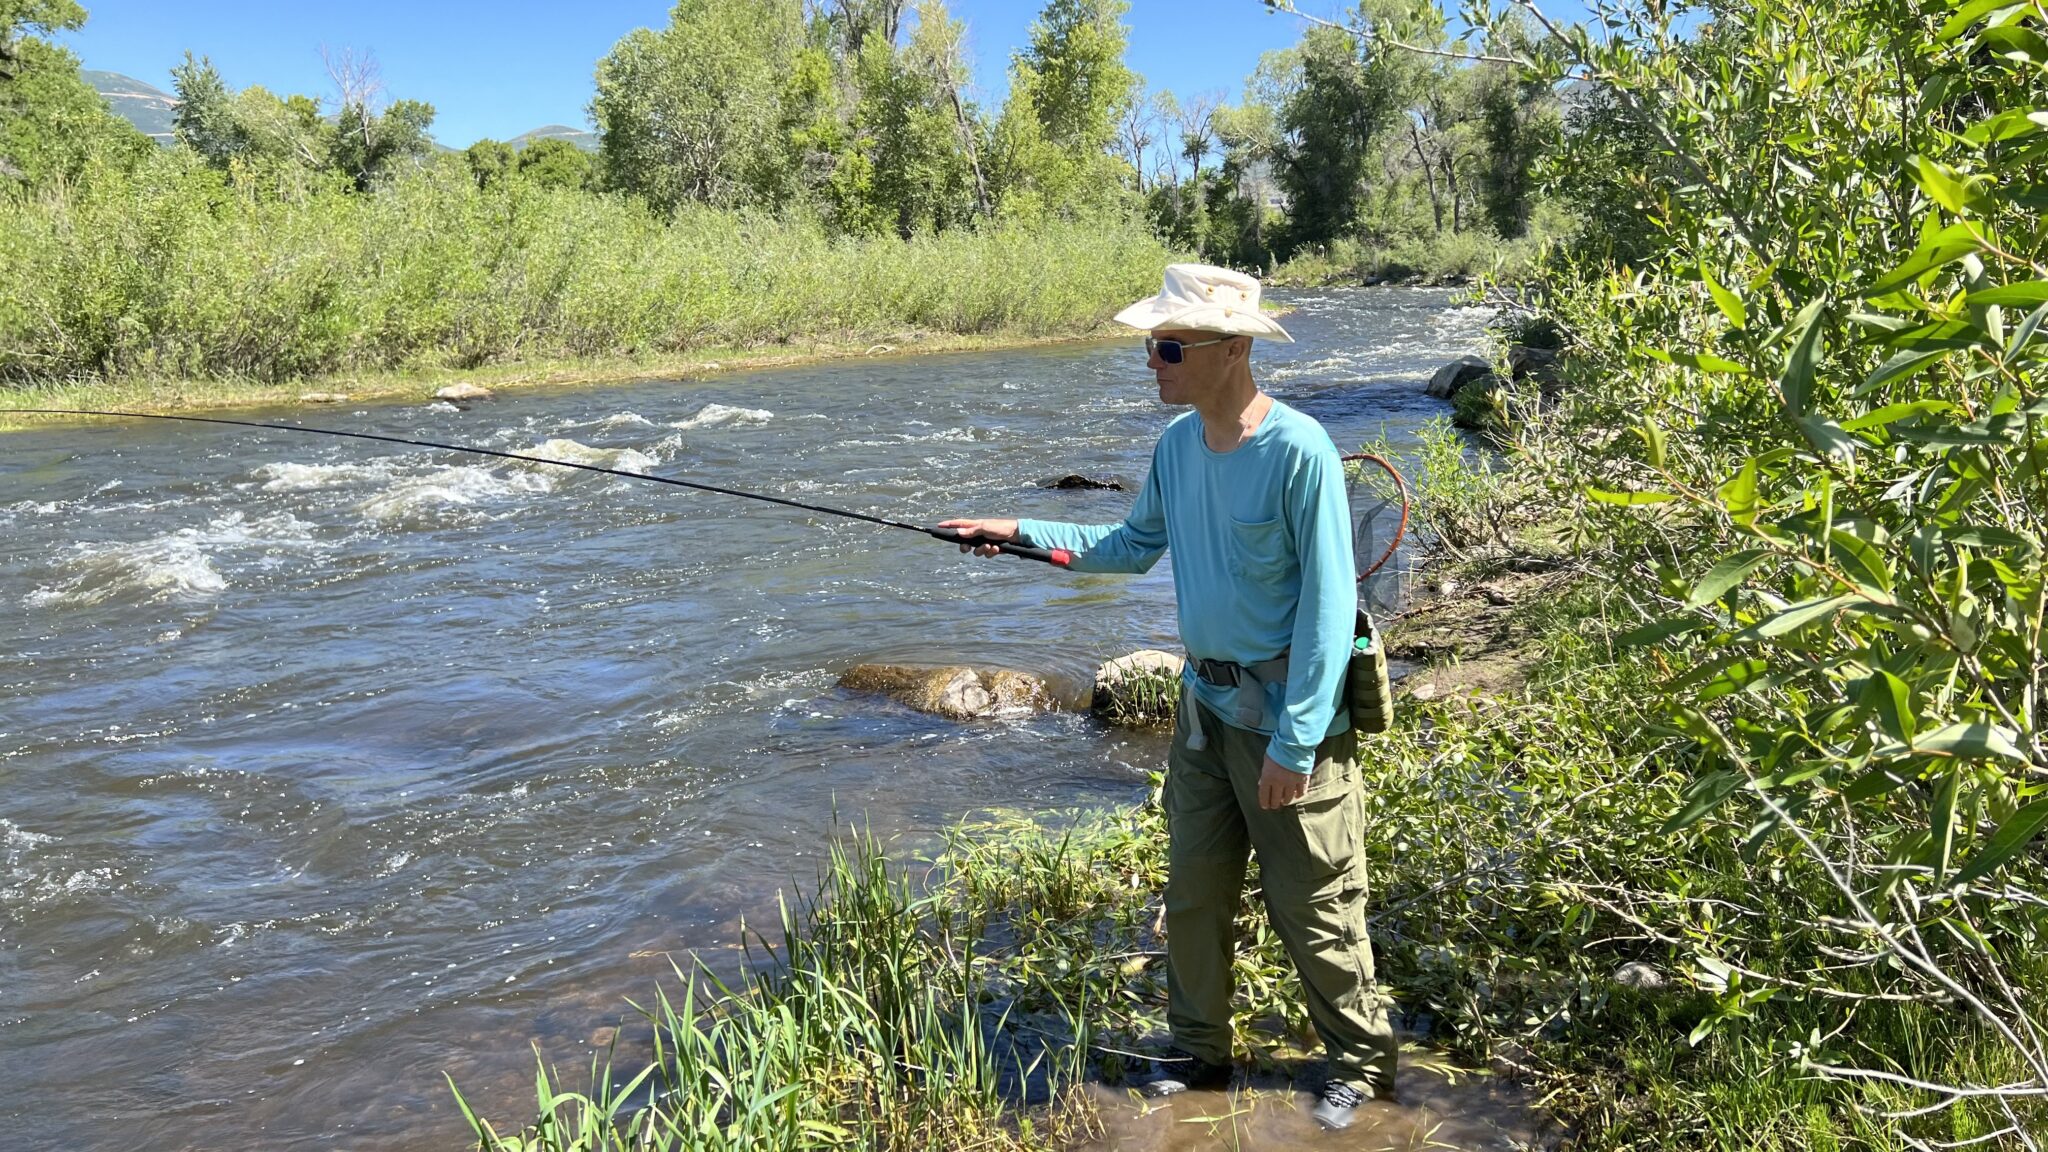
(1058,557)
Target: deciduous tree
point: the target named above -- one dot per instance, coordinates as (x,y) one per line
(490,161)
(552,162)
(1068,87)
(695,111)
(52,123)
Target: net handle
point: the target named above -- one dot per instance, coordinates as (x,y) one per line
(1400,485)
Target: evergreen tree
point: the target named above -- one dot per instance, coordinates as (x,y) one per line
(205,117)
(251,131)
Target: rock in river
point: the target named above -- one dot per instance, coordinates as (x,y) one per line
(463,392)
(1540,365)
(954,692)
(1076,480)
(1141,688)
(1454,377)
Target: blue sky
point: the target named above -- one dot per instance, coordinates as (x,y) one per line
(499,68)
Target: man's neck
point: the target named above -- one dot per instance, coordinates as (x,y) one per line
(1230,418)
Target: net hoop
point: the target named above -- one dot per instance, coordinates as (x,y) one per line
(1401,486)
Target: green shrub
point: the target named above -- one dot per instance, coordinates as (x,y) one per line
(176,272)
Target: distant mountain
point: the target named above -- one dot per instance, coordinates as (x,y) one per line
(148,108)
(577,136)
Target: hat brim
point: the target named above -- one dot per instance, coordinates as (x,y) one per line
(1155,312)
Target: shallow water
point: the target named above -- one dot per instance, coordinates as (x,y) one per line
(325,768)
(1437,1106)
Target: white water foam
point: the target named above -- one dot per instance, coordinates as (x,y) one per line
(174,566)
(27,884)
(16,840)
(449,487)
(471,484)
(619,420)
(714,415)
(290,477)
(572,452)
(1324,366)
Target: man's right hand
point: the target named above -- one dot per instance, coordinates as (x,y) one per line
(997,530)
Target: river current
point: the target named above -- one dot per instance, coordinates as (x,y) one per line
(326,768)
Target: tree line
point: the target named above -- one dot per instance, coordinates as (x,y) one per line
(863,114)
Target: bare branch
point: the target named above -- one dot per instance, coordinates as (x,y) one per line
(357,77)
(1378,37)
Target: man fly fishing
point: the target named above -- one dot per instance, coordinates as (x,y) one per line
(1250,496)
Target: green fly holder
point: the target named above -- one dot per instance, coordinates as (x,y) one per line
(1368,689)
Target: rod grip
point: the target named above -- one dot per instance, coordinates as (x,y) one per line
(1057,557)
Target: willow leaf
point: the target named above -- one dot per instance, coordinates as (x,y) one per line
(1972,740)
(1795,381)
(2013,835)
(1725,575)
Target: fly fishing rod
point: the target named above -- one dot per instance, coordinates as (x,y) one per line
(1058,557)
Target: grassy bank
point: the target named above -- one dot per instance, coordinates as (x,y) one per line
(174,279)
(1662,983)
(1447,259)
(420,384)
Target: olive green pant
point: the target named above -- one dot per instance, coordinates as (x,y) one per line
(1312,869)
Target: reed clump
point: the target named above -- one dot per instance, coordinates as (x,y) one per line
(943,1010)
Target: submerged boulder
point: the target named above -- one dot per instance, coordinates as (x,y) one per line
(1140,688)
(954,692)
(1075,480)
(1458,375)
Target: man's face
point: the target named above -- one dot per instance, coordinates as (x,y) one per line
(1202,371)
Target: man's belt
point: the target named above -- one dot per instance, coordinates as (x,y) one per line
(1231,674)
(1250,682)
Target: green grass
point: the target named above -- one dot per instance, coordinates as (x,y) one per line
(1452,258)
(174,275)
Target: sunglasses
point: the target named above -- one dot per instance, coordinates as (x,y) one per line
(1173,351)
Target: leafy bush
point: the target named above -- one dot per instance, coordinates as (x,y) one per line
(1814,472)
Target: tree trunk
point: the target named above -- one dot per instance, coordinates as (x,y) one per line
(1451,181)
(1436,204)
(973,151)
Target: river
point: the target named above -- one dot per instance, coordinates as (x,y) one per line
(326,768)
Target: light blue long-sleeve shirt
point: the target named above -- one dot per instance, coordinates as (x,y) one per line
(1261,539)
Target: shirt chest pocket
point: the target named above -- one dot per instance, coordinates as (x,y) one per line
(1259,551)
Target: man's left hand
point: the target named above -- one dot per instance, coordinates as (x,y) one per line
(1278,786)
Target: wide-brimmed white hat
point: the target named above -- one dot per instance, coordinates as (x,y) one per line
(1205,299)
